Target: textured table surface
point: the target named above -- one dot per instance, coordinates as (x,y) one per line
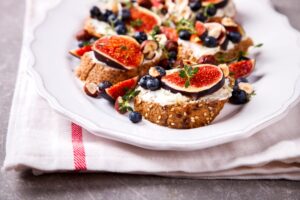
(114,186)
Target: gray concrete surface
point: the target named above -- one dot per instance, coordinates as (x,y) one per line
(113,186)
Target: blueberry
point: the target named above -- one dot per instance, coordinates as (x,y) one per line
(234,37)
(125,14)
(119,22)
(135,117)
(107,14)
(201,17)
(112,18)
(140,36)
(184,34)
(95,12)
(241,80)
(153,84)
(172,55)
(210,42)
(239,97)
(143,81)
(195,5)
(161,70)
(121,29)
(211,11)
(103,85)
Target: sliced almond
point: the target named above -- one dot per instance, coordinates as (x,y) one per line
(149,48)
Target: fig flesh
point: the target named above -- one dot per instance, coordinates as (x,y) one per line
(242,68)
(118,51)
(216,3)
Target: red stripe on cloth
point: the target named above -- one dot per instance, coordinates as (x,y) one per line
(78,148)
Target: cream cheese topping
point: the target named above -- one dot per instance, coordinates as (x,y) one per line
(229,10)
(101,27)
(198,50)
(165,97)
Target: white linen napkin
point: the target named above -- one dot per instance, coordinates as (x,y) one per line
(40,139)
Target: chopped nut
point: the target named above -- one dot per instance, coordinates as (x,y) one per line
(247,87)
(91,89)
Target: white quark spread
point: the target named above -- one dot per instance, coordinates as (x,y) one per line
(165,97)
(102,28)
(229,10)
(198,50)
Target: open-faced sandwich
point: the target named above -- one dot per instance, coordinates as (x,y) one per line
(174,62)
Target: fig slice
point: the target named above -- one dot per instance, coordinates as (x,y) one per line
(121,88)
(207,80)
(80,51)
(149,48)
(146,19)
(242,68)
(118,51)
(216,3)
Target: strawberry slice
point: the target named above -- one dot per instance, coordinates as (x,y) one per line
(81,51)
(121,88)
(200,28)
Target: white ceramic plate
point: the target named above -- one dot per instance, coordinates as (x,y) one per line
(276,80)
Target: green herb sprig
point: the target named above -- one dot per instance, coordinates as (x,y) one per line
(136,23)
(185,24)
(124,104)
(188,73)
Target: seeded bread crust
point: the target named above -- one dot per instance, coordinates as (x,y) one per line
(90,71)
(180,116)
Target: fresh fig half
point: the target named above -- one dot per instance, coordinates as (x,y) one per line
(143,19)
(207,80)
(216,3)
(118,51)
(80,51)
(217,31)
(242,68)
(121,88)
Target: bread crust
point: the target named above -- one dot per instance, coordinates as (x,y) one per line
(180,116)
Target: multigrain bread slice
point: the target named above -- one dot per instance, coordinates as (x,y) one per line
(91,70)
(181,115)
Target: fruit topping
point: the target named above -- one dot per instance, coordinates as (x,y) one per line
(200,28)
(135,117)
(210,42)
(125,14)
(171,46)
(118,51)
(81,51)
(143,81)
(91,89)
(239,97)
(121,29)
(172,55)
(234,37)
(106,14)
(198,80)
(145,3)
(195,5)
(217,31)
(211,10)
(143,19)
(228,22)
(83,35)
(207,59)
(201,17)
(241,80)
(242,68)
(121,88)
(171,33)
(103,85)
(149,48)
(153,84)
(157,72)
(216,3)
(184,35)
(96,13)
(140,36)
